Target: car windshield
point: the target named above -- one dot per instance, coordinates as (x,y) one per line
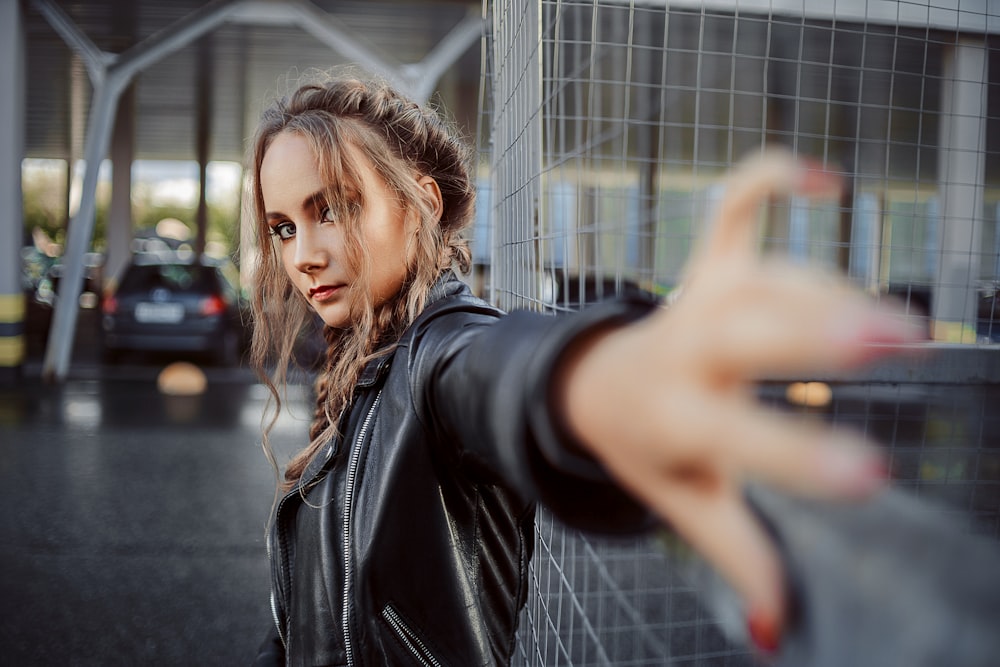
(174,277)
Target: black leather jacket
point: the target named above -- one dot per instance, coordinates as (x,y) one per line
(411,539)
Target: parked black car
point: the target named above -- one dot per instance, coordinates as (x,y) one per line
(173,306)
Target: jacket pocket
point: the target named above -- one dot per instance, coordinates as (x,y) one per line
(410,640)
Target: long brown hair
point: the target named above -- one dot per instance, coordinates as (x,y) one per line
(352,125)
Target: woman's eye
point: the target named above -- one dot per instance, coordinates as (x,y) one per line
(283,230)
(326,215)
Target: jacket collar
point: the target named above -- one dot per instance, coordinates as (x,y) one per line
(447,285)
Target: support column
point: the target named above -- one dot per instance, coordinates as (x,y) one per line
(203,138)
(12,129)
(865,256)
(81,228)
(961,177)
(124,23)
(119,232)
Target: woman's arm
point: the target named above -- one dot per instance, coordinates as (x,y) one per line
(482,387)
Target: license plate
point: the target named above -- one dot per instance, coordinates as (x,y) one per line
(159,313)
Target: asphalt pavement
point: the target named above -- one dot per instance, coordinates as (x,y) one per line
(133,529)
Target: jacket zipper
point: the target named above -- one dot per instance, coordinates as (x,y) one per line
(412,641)
(352,472)
(278,560)
(277,622)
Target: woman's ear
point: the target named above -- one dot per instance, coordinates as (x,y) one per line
(433,194)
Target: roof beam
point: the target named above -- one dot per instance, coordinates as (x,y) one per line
(423,77)
(417,80)
(95,60)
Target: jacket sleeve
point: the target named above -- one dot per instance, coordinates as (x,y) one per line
(483,384)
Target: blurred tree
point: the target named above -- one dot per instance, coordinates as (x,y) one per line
(44,207)
(43,188)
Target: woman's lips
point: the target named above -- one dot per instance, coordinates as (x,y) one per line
(324,292)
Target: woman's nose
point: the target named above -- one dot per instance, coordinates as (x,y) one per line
(310,253)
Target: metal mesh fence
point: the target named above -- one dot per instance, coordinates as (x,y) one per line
(606,126)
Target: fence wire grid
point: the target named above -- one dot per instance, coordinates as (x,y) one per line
(605,128)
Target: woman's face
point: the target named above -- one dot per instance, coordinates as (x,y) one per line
(313,242)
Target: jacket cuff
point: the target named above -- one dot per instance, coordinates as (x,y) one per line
(568,480)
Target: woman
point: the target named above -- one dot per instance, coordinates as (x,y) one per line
(404,532)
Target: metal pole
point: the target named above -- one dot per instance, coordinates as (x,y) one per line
(203,138)
(119,232)
(81,229)
(961,178)
(12,310)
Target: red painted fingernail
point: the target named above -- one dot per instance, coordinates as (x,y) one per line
(850,469)
(879,469)
(764,631)
(890,328)
(818,179)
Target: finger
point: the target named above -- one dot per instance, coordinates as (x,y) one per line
(709,512)
(734,228)
(722,528)
(801,456)
(700,435)
(786,320)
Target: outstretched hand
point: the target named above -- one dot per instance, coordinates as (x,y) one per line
(667,404)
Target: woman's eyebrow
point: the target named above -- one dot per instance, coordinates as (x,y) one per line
(314,201)
(310,203)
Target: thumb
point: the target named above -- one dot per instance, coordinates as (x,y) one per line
(734,228)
